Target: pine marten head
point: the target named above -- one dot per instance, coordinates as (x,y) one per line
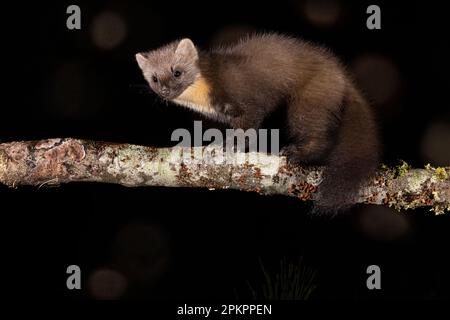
(171,69)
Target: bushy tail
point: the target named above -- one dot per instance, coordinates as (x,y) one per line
(354,158)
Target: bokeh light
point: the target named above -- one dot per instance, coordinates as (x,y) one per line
(383,223)
(107,284)
(435,144)
(230,34)
(108,30)
(322,13)
(141,251)
(378,76)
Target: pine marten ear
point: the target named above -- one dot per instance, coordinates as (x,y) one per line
(186,49)
(141,60)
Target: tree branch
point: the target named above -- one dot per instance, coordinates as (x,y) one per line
(57,161)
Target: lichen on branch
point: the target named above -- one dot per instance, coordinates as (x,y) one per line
(57,161)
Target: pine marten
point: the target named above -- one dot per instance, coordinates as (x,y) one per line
(328,121)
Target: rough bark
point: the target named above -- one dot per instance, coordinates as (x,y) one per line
(57,161)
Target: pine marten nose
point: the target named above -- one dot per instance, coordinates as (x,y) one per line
(165,91)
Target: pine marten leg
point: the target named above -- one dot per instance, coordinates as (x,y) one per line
(245,120)
(310,129)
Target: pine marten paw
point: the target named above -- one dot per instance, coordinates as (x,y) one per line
(292,154)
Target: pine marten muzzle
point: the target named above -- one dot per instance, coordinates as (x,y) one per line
(327,119)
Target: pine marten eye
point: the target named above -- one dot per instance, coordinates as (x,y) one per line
(176,73)
(155,79)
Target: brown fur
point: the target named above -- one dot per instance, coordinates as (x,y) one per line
(328,122)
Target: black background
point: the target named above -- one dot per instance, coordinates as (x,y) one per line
(60,83)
